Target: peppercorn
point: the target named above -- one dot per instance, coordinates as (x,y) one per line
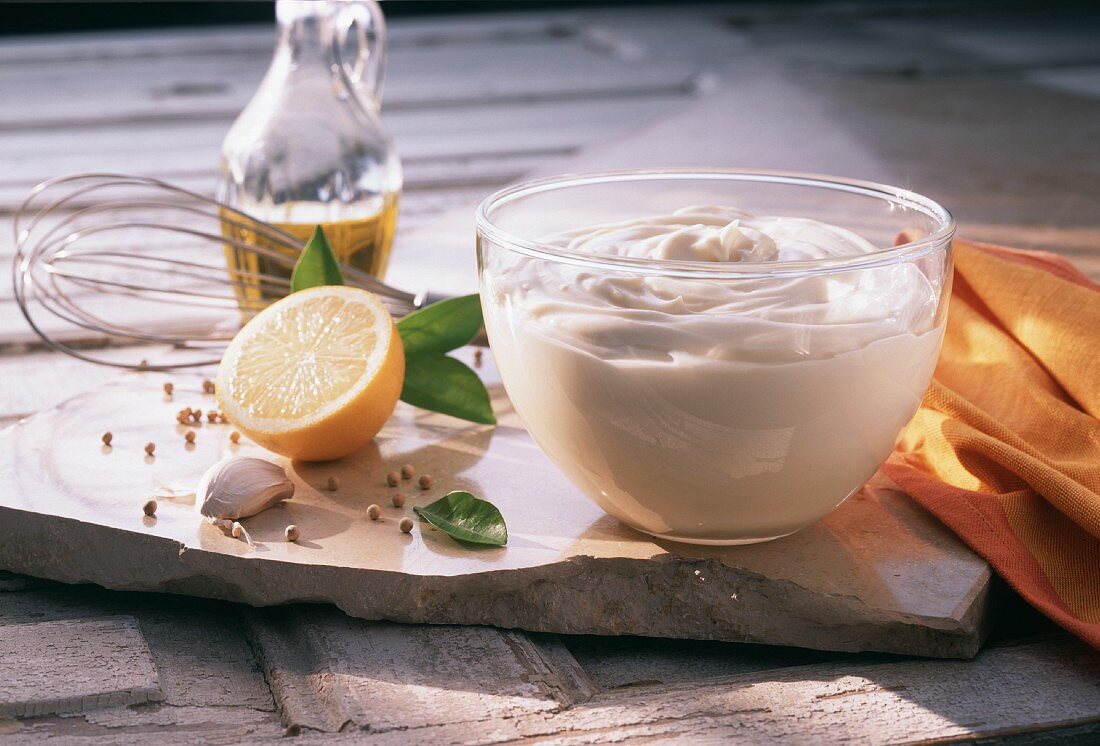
(392,479)
(406,525)
(107,437)
(189,436)
(291,533)
(407,471)
(168,387)
(374,511)
(333,484)
(234,437)
(149,508)
(426,482)
(149,448)
(397,499)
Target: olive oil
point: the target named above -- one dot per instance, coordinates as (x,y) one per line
(361,242)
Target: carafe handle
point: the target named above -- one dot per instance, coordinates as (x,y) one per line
(365,73)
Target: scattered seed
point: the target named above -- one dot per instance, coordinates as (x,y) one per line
(426,482)
(211,417)
(196,415)
(333,484)
(149,508)
(189,436)
(234,437)
(406,525)
(168,387)
(407,471)
(208,386)
(291,533)
(392,478)
(107,438)
(374,511)
(149,448)
(398,500)
(477,358)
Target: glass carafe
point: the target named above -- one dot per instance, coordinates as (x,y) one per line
(309,148)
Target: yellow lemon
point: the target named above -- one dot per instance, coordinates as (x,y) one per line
(315,375)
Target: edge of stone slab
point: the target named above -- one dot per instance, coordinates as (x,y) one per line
(670,596)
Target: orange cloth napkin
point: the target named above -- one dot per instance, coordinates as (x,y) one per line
(1005,449)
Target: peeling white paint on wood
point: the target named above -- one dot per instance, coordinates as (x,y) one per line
(74,666)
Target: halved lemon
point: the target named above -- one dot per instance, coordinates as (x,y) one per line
(315,375)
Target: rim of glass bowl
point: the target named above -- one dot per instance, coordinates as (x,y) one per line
(729,270)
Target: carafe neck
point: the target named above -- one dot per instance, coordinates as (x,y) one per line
(306,33)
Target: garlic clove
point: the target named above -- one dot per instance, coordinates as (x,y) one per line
(240,487)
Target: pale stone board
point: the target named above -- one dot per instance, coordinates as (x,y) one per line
(74,666)
(878,574)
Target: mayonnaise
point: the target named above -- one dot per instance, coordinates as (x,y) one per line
(713,411)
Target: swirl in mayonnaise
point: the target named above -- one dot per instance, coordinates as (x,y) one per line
(713,410)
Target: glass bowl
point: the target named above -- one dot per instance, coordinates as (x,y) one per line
(713,402)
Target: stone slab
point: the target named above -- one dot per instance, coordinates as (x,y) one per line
(74,666)
(878,574)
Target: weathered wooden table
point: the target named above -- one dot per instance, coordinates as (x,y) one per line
(995,113)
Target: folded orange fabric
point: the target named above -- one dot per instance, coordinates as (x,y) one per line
(1005,449)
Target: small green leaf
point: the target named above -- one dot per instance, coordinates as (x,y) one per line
(466,518)
(441,327)
(443,384)
(317,265)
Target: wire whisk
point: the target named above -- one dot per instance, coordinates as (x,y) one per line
(108,261)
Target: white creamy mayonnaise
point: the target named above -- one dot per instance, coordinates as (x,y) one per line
(705,410)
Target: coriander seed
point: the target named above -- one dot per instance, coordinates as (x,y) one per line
(208,386)
(392,479)
(374,511)
(333,484)
(291,533)
(426,482)
(407,471)
(149,448)
(168,387)
(406,525)
(234,437)
(398,500)
(149,508)
(189,436)
(107,437)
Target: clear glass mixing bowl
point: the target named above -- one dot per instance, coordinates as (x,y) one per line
(714,402)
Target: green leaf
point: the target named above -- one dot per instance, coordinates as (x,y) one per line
(317,265)
(443,384)
(466,518)
(441,327)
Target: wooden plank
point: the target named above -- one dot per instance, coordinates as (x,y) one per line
(999,694)
(212,686)
(257,39)
(169,149)
(74,666)
(212,87)
(332,673)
